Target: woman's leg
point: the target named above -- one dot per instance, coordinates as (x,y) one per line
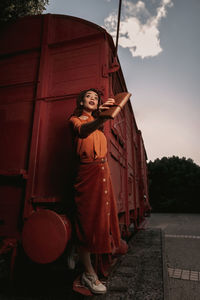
(85,258)
(89,277)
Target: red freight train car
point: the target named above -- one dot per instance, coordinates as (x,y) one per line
(45,61)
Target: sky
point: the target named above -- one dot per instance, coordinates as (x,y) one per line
(159,48)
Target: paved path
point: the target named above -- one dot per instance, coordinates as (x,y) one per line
(182,251)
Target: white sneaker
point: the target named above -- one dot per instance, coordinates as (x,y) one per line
(71,263)
(89,280)
(72,259)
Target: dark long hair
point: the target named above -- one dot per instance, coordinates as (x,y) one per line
(79,108)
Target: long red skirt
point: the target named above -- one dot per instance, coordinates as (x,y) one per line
(97,225)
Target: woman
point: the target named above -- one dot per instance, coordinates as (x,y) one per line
(97,224)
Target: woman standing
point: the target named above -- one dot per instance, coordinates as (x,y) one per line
(97,226)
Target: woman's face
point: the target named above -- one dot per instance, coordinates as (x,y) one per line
(90,101)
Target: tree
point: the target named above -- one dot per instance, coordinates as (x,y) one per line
(174,185)
(12,9)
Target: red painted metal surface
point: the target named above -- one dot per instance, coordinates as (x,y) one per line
(79,288)
(45,61)
(45,235)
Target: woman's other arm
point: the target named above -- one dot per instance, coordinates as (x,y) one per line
(87,128)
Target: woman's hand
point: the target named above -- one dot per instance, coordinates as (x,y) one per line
(106,105)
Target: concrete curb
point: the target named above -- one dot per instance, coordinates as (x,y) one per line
(165,271)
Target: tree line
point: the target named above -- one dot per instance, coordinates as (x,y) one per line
(10,10)
(174,185)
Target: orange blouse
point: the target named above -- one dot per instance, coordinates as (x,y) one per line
(92,147)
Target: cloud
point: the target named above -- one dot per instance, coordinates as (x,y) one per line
(139,29)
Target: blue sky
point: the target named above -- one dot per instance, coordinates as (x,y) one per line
(159,51)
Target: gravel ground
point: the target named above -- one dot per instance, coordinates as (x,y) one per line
(137,275)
